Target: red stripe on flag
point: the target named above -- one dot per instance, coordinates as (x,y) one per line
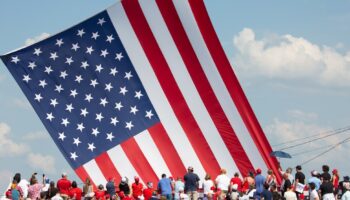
(107,167)
(202,84)
(139,161)
(167,150)
(168,84)
(232,83)
(83,175)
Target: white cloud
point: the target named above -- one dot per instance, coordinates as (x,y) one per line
(290,57)
(35,39)
(39,135)
(287,132)
(10,147)
(42,162)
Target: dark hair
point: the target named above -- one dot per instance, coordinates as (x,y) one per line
(236,174)
(298,167)
(163,175)
(52,184)
(17,177)
(74,184)
(312,185)
(266,186)
(325,168)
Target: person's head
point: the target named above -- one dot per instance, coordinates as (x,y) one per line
(312,185)
(137,179)
(269,172)
(325,168)
(346,178)
(236,174)
(251,174)
(298,167)
(178,178)
(190,169)
(163,175)
(17,177)
(289,170)
(266,186)
(87,181)
(258,171)
(207,177)
(64,175)
(222,171)
(52,184)
(100,187)
(273,187)
(335,172)
(74,184)
(314,173)
(149,184)
(34,181)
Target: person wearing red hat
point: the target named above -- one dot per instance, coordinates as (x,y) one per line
(137,188)
(259,183)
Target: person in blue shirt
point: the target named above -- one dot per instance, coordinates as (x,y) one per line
(315,179)
(164,187)
(259,183)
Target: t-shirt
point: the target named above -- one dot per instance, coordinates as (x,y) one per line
(267,195)
(164,185)
(179,186)
(286,185)
(316,181)
(191,181)
(75,192)
(326,187)
(238,181)
(63,186)
(125,188)
(34,191)
(346,196)
(290,195)
(147,193)
(313,195)
(259,183)
(136,189)
(207,186)
(300,176)
(110,188)
(222,182)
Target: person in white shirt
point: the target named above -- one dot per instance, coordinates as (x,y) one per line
(313,193)
(207,187)
(222,182)
(290,194)
(346,195)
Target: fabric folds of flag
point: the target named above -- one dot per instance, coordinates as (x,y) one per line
(140,89)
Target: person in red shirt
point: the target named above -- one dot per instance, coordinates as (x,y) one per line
(236,180)
(63,186)
(122,196)
(100,193)
(137,188)
(148,192)
(75,192)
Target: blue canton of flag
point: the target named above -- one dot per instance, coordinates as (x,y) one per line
(84,88)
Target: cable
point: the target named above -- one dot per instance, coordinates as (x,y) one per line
(304,152)
(326,151)
(319,134)
(309,141)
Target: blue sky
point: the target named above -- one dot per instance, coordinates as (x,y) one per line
(292,59)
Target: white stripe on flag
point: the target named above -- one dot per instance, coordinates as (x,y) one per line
(122,163)
(184,11)
(151,152)
(183,80)
(153,89)
(95,173)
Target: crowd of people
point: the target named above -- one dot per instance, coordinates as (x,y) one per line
(253,186)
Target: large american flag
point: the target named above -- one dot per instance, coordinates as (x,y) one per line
(140,89)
